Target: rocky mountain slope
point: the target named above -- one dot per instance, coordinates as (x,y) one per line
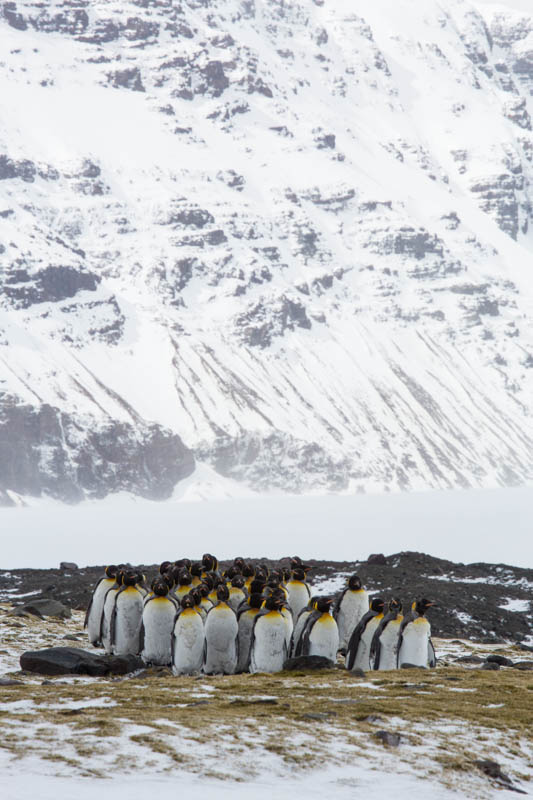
(288,240)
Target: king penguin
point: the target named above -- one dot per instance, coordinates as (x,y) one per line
(268,648)
(358,652)
(157,624)
(93,617)
(299,626)
(221,632)
(298,592)
(414,643)
(320,636)
(350,607)
(127,616)
(248,610)
(384,646)
(109,607)
(187,639)
(237,593)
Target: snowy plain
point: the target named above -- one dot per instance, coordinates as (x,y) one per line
(492,525)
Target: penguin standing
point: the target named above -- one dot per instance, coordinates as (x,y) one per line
(236,592)
(350,607)
(384,646)
(221,632)
(157,625)
(299,626)
(268,649)
(187,639)
(184,583)
(414,642)
(358,652)
(127,616)
(248,610)
(321,634)
(107,614)
(93,617)
(298,592)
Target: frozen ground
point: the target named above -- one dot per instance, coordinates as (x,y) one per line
(463,526)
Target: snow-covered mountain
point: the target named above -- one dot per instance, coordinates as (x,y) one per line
(291,241)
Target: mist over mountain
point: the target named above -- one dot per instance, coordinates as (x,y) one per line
(289,242)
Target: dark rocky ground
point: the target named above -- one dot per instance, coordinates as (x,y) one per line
(468,597)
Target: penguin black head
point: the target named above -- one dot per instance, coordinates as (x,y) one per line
(296,562)
(238,582)
(197,595)
(395,605)
(140,578)
(222,593)
(160,587)
(197,569)
(273,583)
(272,603)
(120,577)
(239,563)
(286,574)
(255,600)
(354,583)
(187,601)
(248,570)
(168,577)
(203,589)
(129,578)
(231,572)
(298,574)
(377,604)
(323,604)
(210,562)
(164,567)
(111,571)
(184,577)
(257,586)
(216,579)
(208,581)
(183,562)
(421,606)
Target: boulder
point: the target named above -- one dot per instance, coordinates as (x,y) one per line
(490,665)
(68,566)
(308,662)
(501,660)
(45,607)
(376,558)
(389,738)
(525,666)
(75,661)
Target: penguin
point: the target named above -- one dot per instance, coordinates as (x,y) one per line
(198,600)
(268,648)
(126,617)
(157,624)
(188,637)
(414,642)
(221,634)
(210,563)
(196,573)
(184,583)
(107,614)
(320,636)
(358,651)
(384,646)
(303,616)
(298,592)
(95,610)
(236,592)
(203,590)
(248,610)
(350,607)
(248,573)
(285,613)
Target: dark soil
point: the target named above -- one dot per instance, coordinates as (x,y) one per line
(463,609)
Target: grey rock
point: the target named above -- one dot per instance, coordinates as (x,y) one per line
(495,658)
(48,285)
(389,738)
(126,79)
(319,716)
(243,701)
(469,660)
(490,665)
(70,566)
(493,770)
(524,666)
(44,607)
(307,663)
(407,665)
(376,558)
(10,682)
(74,661)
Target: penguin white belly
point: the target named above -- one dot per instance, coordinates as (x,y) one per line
(415,643)
(298,630)
(388,641)
(188,652)
(298,595)
(109,605)
(362,658)
(221,630)
(269,648)
(158,622)
(289,625)
(324,638)
(94,619)
(127,621)
(236,596)
(246,623)
(352,609)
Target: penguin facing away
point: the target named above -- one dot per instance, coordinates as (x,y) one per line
(384,646)
(221,632)
(95,610)
(299,626)
(246,615)
(358,652)
(157,624)
(127,616)
(414,642)
(187,639)
(268,649)
(321,634)
(350,607)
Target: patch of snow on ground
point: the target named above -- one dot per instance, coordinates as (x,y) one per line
(512,604)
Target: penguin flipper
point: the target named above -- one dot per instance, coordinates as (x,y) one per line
(432,658)
(113,626)
(337,603)
(355,638)
(375,650)
(304,644)
(406,620)
(141,637)
(86,620)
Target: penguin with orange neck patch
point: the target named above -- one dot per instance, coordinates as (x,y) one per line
(157,625)
(350,607)
(93,617)
(221,632)
(127,616)
(269,648)
(188,639)
(414,643)
(384,646)
(321,633)
(358,652)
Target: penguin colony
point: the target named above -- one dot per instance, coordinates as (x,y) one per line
(250,619)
